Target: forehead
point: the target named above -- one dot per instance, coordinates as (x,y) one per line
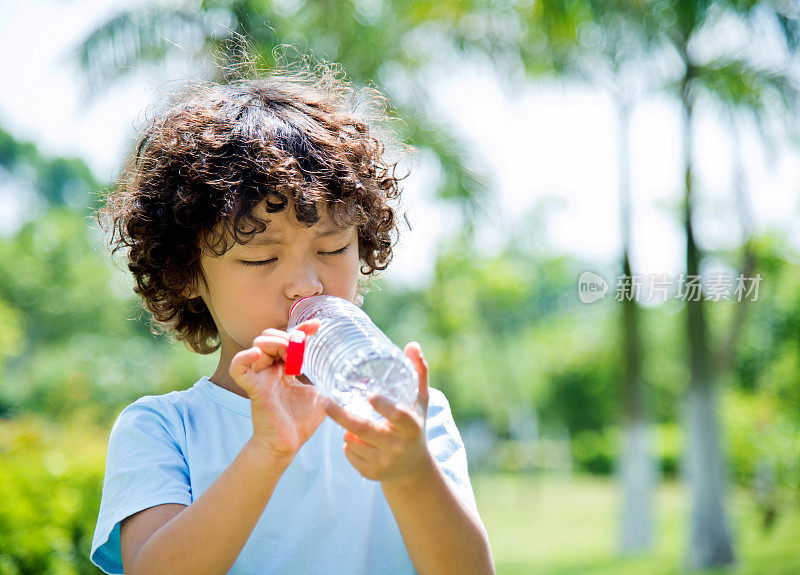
(283,227)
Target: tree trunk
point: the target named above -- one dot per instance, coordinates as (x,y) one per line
(747,267)
(636,468)
(710,543)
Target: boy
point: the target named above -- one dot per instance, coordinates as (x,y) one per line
(238,201)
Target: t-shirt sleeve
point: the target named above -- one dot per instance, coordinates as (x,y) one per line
(445,444)
(145,467)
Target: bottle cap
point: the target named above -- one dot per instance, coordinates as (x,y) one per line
(295,352)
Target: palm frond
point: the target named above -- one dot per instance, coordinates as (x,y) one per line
(131,38)
(740,84)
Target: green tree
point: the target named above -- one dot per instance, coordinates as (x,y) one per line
(65,315)
(606,45)
(56,181)
(598,39)
(388,43)
(679,31)
(710,538)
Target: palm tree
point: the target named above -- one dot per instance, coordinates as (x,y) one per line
(681,29)
(386,44)
(593,38)
(603,44)
(392,42)
(613,62)
(734,82)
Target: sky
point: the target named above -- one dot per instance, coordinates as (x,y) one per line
(541,144)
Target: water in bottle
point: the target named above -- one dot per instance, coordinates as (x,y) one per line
(349,358)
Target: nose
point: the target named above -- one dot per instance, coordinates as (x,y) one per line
(304,282)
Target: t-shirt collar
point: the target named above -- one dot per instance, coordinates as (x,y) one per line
(224,397)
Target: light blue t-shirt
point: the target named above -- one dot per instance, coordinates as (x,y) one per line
(323,516)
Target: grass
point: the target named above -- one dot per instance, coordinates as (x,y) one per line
(555,525)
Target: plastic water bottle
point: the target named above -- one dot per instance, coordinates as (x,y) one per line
(349,358)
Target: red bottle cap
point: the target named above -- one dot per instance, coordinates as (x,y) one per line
(295,352)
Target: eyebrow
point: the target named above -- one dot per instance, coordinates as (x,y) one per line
(264,240)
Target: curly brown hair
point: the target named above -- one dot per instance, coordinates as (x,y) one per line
(289,139)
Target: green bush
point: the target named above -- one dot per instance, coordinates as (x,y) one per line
(669,446)
(763,440)
(595,451)
(50,485)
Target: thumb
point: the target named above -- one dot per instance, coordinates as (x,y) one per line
(414,352)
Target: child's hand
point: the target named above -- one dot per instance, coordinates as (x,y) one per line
(285,413)
(394,449)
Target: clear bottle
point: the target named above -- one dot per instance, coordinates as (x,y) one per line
(349,357)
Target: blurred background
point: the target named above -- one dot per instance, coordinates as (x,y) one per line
(602,266)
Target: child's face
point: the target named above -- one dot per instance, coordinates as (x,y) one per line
(246,298)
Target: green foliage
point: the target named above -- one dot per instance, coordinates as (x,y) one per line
(669,448)
(59,181)
(598,451)
(768,353)
(506,330)
(501,331)
(50,478)
(76,336)
(763,440)
(11,333)
(377,43)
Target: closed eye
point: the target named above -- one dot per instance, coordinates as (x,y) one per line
(336,253)
(258,263)
(267,262)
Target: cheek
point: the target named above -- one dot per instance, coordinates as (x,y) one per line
(344,278)
(355,264)
(231,287)
(355,274)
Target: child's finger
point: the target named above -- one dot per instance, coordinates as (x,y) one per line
(272,344)
(360,447)
(241,362)
(274,332)
(263,362)
(359,463)
(396,414)
(363,428)
(414,352)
